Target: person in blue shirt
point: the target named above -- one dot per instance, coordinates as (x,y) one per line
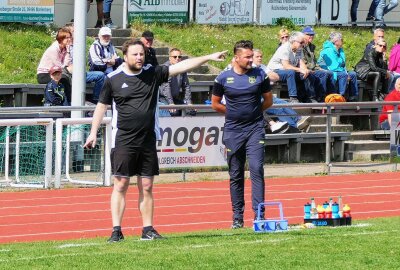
(54,94)
(243,87)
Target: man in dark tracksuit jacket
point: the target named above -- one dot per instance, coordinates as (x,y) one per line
(243,87)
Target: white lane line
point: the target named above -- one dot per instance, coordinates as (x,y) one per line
(78,245)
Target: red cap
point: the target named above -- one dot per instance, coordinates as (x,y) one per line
(55,69)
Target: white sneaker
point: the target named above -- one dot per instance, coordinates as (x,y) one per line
(304,122)
(279,127)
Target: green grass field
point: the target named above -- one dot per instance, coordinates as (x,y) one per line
(368,244)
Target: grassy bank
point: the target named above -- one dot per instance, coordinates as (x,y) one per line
(21,46)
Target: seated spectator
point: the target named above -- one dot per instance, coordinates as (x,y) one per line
(283,36)
(394,59)
(177,89)
(333,58)
(55,55)
(91,76)
(379,33)
(54,93)
(373,68)
(323,78)
(102,54)
(288,63)
(257,62)
(150,54)
(385,119)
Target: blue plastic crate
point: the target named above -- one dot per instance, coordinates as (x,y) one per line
(270,225)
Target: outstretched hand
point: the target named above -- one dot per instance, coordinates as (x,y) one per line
(218,56)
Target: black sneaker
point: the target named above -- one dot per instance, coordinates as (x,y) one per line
(151,235)
(370,18)
(99,24)
(237,224)
(116,236)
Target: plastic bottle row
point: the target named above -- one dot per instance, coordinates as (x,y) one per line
(327,210)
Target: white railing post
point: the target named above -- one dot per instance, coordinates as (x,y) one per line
(58,155)
(49,154)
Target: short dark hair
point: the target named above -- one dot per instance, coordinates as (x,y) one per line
(147,34)
(129,43)
(243,44)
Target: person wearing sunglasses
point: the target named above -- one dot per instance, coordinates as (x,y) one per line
(373,69)
(177,89)
(333,58)
(283,36)
(379,33)
(288,63)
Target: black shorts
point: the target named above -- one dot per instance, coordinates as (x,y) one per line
(128,162)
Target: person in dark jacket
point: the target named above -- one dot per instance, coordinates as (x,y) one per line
(102,55)
(373,68)
(177,89)
(150,54)
(54,93)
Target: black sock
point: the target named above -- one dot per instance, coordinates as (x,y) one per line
(117,228)
(148,228)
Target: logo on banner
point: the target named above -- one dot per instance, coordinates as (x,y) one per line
(136,3)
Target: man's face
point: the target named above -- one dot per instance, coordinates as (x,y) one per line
(105,39)
(134,57)
(257,58)
(147,42)
(379,35)
(298,43)
(308,39)
(175,57)
(244,58)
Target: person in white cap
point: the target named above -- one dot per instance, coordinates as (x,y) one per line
(102,55)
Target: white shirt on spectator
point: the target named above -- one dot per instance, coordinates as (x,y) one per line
(284,52)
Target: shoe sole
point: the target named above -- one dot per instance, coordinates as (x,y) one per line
(152,239)
(120,240)
(305,123)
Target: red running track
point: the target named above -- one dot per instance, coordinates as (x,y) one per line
(185,207)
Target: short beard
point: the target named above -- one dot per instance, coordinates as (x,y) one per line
(133,68)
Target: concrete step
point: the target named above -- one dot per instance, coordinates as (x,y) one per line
(371,155)
(362,135)
(93,32)
(202,77)
(119,41)
(159,50)
(338,127)
(366,145)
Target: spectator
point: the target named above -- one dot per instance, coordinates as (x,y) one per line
(100,13)
(379,33)
(91,76)
(394,59)
(373,68)
(177,89)
(283,36)
(322,77)
(150,54)
(385,119)
(371,11)
(333,58)
(102,54)
(382,9)
(54,93)
(353,11)
(257,61)
(107,14)
(55,55)
(288,63)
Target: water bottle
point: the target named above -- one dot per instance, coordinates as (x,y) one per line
(314,212)
(307,211)
(340,207)
(330,202)
(335,210)
(325,205)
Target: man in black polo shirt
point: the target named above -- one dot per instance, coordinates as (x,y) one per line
(133,93)
(243,87)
